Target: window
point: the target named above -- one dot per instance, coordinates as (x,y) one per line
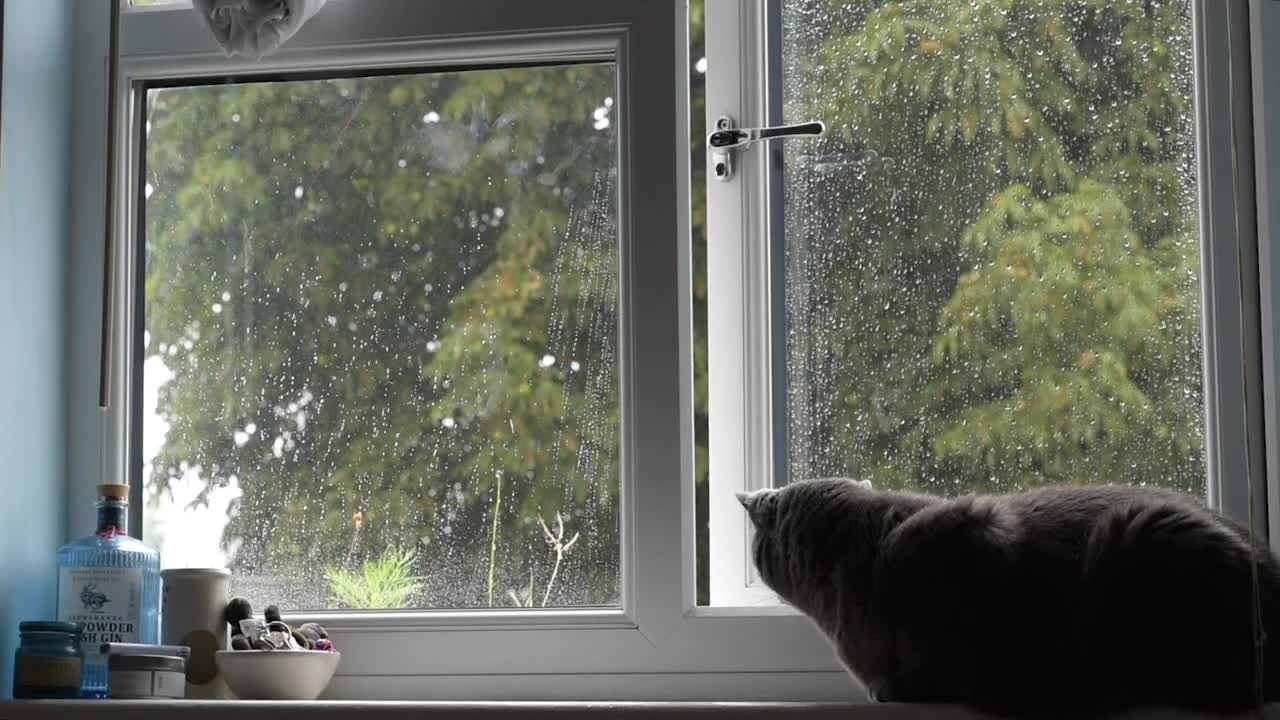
(321,240)
(508,142)
(986,276)
(380,337)
(991,266)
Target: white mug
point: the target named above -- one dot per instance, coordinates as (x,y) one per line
(191,613)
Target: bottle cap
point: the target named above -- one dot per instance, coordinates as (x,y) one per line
(113,491)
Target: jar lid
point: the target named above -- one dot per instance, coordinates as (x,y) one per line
(161,663)
(49,626)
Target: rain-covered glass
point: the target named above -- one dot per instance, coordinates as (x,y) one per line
(380,337)
(991,269)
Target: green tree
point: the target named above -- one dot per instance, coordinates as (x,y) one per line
(389,296)
(1017,300)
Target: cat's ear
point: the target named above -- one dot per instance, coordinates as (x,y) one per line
(756,504)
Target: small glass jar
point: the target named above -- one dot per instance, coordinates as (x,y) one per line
(47,664)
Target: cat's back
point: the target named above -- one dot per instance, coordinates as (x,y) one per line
(1082,506)
(1056,528)
(1158,588)
(1074,520)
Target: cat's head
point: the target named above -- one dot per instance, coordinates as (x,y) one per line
(791,524)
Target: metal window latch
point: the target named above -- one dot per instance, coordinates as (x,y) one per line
(727,137)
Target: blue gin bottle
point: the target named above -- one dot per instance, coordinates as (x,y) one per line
(110,584)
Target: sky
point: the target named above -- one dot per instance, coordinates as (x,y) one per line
(185,536)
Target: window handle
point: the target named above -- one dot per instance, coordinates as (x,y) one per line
(727,137)
(737,137)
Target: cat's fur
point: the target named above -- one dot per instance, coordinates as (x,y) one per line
(1092,598)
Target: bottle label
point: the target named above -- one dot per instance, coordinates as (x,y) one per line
(106,601)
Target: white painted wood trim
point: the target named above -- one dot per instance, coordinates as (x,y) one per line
(739,334)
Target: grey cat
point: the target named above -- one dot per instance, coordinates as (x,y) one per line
(1075,599)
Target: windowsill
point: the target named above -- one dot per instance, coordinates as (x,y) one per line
(341,710)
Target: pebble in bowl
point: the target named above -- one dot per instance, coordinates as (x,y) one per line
(277,674)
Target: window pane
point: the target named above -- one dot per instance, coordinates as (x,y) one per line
(992,259)
(380,337)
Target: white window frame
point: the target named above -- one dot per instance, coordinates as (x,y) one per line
(658,644)
(743,360)
(1264,19)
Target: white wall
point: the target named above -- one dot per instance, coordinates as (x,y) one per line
(34,176)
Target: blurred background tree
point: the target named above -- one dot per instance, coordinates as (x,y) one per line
(393,296)
(1003,291)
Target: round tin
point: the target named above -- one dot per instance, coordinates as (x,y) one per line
(141,677)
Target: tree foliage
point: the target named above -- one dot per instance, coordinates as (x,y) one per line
(381,295)
(1011,275)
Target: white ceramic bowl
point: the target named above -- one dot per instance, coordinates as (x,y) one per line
(277,674)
